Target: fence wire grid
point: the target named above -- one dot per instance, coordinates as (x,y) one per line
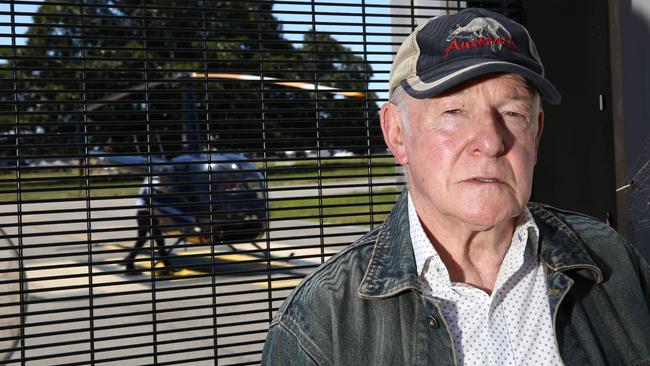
(170,170)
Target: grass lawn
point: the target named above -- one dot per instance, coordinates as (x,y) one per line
(67,184)
(361,209)
(329,170)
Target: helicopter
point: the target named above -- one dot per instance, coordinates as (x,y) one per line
(201,196)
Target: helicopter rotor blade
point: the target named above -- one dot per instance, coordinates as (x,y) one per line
(292,84)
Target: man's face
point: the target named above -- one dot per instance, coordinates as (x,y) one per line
(469,154)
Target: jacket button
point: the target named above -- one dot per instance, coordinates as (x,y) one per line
(433,322)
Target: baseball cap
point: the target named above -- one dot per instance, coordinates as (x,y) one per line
(448,50)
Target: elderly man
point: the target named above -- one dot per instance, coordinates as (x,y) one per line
(465,271)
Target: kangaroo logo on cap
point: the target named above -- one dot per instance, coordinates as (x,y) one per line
(479,32)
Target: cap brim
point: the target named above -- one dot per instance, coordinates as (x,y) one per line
(420,89)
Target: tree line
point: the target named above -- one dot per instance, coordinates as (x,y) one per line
(117,75)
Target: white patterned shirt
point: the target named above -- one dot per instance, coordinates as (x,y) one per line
(512,326)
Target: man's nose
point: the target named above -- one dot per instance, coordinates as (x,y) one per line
(490,135)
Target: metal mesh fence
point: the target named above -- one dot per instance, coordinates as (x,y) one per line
(170,170)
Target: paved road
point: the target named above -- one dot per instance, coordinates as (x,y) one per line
(77,290)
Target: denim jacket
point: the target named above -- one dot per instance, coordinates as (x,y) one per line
(364,306)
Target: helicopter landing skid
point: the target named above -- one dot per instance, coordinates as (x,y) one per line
(258,248)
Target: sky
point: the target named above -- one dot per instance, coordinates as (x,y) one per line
(5,31)
(294,25)
(376,46)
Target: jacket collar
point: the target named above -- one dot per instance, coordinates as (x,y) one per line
(392,268)
(561,248)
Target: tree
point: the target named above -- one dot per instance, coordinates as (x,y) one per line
(78,54)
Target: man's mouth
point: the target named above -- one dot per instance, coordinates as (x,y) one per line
(486,180)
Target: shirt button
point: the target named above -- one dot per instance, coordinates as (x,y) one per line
(433,322)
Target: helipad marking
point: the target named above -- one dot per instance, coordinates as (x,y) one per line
(177,274)
(233,257)
(78,275)
(283,283)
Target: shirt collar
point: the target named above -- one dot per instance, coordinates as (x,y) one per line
(392,268)
(426,257)
(431,267)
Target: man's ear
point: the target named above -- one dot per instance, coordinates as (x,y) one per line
(392,127)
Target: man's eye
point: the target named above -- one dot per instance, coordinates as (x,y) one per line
(517,115)
(453,111)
